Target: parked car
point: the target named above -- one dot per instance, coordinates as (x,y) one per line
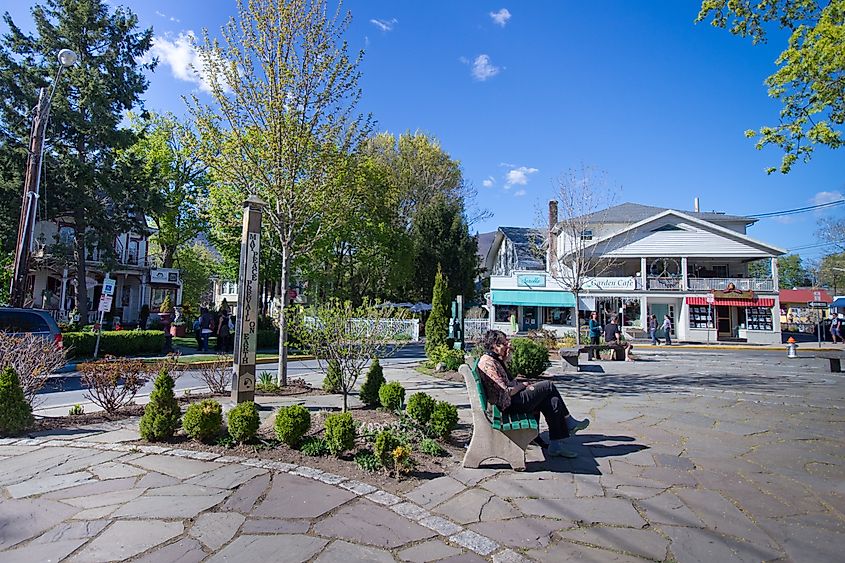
(30,321)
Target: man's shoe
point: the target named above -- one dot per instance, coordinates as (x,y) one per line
(557,450)
(540,442)
(578,426)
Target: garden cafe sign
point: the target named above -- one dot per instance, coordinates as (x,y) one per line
(606,284)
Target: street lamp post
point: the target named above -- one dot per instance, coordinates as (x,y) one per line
(32,182)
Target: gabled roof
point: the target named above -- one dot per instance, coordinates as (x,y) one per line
(803,295)
(635,212)
(697,221)
(525,243)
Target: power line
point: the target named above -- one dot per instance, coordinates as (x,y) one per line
(798,210)
(817,245)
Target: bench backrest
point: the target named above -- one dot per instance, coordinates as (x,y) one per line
(479,385)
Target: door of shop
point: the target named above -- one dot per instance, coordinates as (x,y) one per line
(723,321)
(529,318)
(660,310)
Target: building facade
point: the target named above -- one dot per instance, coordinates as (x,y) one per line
(689,265)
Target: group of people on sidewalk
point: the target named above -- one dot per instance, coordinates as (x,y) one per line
(220,324)
(666,326)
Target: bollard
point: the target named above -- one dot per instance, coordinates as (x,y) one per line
(791,348)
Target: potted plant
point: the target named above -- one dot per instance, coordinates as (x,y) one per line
(177,328)
(165,308)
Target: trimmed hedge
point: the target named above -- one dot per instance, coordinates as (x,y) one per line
(113,343)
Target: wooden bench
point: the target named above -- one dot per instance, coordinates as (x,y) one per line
(620,351)
(495,435)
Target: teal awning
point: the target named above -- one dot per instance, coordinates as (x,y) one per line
(536,298)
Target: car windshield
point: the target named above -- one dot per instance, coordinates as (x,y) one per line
(16,321)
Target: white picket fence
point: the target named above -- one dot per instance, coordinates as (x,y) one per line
(474,329)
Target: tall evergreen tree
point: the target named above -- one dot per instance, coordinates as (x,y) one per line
(437,325)
(88,183)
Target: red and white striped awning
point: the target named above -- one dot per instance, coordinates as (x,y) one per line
(758,302)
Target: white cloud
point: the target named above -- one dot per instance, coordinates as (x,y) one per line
(518,176)
(183,58)
(501,17)
(826,197)
(488,182)
(482,68)
(519,193)
(384,25)
(165,16)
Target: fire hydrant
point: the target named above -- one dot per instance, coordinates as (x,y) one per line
(791,348)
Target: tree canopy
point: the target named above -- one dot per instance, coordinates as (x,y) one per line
(809,80)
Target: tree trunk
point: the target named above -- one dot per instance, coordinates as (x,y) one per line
(168,257)
(345,396)
(577,322)
(81,287)
(282,375)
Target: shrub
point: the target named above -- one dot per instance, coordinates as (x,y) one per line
(375,379)
(545,337)
(386,442)
(266,382)
(452,359)
(166,305)
(217,375)
(113,343)
(366,460)
(161,416)
(113,383)
(444,418)
(436,327)
(314,447)
(528,358)
(33,358)
(391,395)
(243,421)
(203,420)
(339,433)
(76,410)
(332,382)
(292,423)
(431,447)
(420,406)
(15,412)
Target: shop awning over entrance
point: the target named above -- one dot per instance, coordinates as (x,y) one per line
(533,298)
(759,302)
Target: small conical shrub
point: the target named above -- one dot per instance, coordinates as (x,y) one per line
(15,412)
(375,379)
(331,383)
(437,325)
(161,416)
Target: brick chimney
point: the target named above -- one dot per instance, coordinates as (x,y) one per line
(552,256)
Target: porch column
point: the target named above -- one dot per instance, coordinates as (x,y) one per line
(775,274)
(63,301)
(644,312)
(684,272)
(643,273)
(143,294)
(179,293)
(125,248)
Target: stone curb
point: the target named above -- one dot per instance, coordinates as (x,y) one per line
(454,533)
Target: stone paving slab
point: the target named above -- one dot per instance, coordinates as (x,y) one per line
(364,522)
(21,520)
(123,540)
(291,496)
(296,549)
(345,552)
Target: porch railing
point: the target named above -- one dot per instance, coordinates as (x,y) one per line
(720,284)
(665,284)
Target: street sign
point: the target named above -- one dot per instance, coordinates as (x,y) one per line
(105,303)
(108,286)
(817,296)
(710,299)
(818,304)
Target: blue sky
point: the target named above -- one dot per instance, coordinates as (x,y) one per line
(520,92)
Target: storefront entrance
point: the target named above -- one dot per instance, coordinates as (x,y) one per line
(660,310)
(530,318)
(724,322)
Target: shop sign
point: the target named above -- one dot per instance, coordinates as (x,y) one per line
(530,280)
(733,294)
(605,284)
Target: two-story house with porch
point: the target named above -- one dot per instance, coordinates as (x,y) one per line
(52,281)
(690,265)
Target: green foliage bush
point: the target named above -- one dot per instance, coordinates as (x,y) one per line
(366,460)
(15,412)
(332,381)
(339,433)
(431,447)
(314,447)
(420,407)
(76,410)
(161,415)
(203,420)
(436,327)
(375,379)
(292,423)
(386,442)
(443,420)
(528,358)
(391,395)
(451,358)
(243,421)
(113,343)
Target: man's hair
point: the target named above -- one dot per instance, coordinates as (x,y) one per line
(492,338)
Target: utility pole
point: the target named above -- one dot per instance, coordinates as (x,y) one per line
(29,204)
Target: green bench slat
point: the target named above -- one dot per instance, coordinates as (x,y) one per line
(502,421)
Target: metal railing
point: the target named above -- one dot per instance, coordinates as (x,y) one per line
(665,283)
(720,284)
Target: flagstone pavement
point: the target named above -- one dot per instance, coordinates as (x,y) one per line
(690,457)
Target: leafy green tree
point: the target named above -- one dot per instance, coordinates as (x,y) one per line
(178,181)
(831,271)
(436,326)
(809,79)
(89,184)
(791,272)
(197,264)
(284,122)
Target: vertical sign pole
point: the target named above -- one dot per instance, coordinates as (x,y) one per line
(246,327)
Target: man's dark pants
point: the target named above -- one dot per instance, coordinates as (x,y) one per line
(544,397)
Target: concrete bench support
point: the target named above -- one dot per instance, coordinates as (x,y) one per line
(487,442)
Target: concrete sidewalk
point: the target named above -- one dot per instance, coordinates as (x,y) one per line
(690,457)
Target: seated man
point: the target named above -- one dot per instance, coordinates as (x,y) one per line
(613,336)
(519,397)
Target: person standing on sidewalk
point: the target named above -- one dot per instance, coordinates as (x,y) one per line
(667,329)
(521,397)
(652,329)
(595,335)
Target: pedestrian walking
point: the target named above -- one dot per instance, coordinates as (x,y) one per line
(667,329)
(595,336)
(223,334)
(652,329)
(835,329)
(206,324)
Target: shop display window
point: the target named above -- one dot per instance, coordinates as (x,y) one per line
(759,318)
(700,317)
(558,316)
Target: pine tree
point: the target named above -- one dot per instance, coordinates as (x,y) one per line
(436,327)
(15,412)
(161,415)
(375,379)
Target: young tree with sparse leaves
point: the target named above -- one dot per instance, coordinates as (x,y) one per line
(285,89)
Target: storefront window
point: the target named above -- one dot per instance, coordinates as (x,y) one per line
(503,314)
(558,316)
(607,307)
(699,317)
(759,318)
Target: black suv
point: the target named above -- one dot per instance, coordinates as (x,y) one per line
(30,321)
